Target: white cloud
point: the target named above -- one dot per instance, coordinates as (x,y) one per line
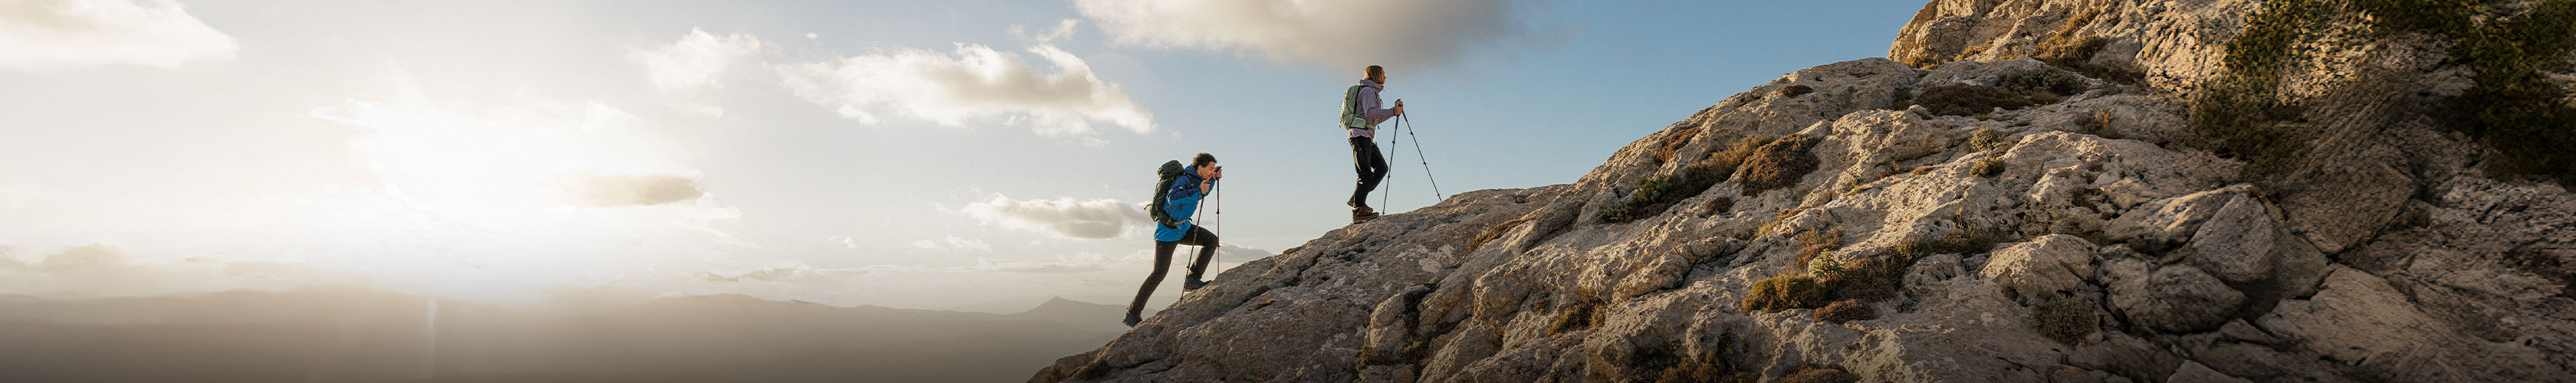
(1089,219)
(952,243)
(972,82)
(631,190)
(45,34)
(1340,34)
(696,60)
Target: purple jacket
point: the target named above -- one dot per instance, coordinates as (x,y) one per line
(1371,109)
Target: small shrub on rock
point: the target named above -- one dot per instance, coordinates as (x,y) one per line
(1814,243)
(1969,240)
(1845,311)
(1987,139)
(1777,165)
(1656,193)
(2066,320)
(1496,232)
(1867,280)
(1788,291)
(1793,91)
(1720,205)
(1987,167)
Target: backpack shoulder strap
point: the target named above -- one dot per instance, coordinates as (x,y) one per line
(1352,116)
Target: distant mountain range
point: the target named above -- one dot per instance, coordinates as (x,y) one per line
(360,335)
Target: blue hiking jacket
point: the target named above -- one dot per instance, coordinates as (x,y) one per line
(1179,203)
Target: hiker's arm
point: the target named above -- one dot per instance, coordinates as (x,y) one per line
(1174,203)
(1375,112)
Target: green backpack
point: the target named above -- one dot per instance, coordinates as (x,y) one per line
(1352,117)
(1170,171)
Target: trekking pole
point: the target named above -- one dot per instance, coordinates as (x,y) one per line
(1426,160)
(1217,193)
(1387,199)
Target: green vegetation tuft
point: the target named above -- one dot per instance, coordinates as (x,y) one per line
(1815,243)
(2066,320)
(2513,108)
(1987,139)
(1656,193)
(2516,109)
(2241,114)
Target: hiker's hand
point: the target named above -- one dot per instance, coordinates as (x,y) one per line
(1218,173)
(1399,108)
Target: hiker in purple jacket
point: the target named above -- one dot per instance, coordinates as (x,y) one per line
(1361,112)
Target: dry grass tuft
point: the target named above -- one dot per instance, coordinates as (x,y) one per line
(1846,310)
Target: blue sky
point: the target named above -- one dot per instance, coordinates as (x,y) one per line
(503,149)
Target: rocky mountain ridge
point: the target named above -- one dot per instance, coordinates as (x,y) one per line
(2024,191)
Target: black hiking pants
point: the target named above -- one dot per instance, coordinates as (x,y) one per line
(1371,165)
(1198,236)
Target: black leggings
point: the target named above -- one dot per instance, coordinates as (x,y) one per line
(1198,236)
(1371,165)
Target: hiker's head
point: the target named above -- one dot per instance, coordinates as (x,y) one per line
(1206,166)
(1377,73)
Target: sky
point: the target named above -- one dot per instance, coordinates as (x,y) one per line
(963,154)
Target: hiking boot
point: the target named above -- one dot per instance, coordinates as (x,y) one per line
(1362,214)
(1132,319)
(1192,284)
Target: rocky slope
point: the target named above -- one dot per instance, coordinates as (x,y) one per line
(2029,191)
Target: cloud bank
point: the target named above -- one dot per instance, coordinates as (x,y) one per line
(1088,219)
(1338,34)
(971,82)
(48,34)
(696,60)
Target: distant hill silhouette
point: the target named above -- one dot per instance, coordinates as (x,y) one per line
(360,335)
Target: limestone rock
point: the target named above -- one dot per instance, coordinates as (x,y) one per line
(2235,243)
(2051,266)
(2194,372)
(2170,298)
(2379,254)
(2361,320)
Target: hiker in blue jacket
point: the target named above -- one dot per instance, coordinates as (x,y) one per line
(1181,202)
(1361,112)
